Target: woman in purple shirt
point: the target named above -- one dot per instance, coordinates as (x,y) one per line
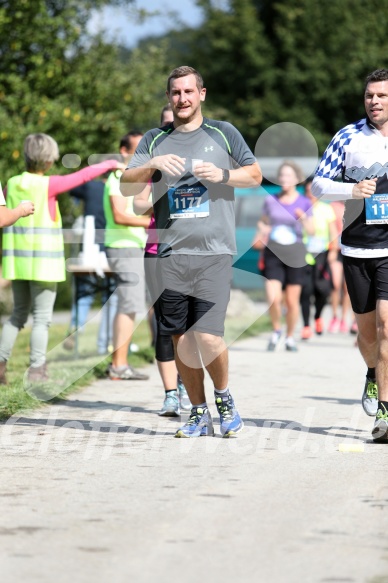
(286,217)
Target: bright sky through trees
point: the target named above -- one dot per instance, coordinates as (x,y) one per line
(122,25)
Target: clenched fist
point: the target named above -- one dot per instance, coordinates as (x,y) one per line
(364,189)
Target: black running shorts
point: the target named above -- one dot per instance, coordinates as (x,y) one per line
(196,293)
(367,281)
(275,268)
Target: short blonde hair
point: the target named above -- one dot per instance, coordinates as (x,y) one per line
(39,151)
(297,169)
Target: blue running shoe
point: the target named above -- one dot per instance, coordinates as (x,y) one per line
(230,420)
(199,423)
(184,400)
(170,406)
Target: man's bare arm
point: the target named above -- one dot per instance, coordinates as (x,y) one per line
(9,216)
(142,205)
(121,217)
(244,177)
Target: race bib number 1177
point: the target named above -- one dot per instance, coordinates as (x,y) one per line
(188,202)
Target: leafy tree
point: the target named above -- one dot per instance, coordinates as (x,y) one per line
(302,61)
(83,91)
(236,61)
(324,50)
(54,78)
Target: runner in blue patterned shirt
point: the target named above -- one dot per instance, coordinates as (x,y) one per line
(358,154)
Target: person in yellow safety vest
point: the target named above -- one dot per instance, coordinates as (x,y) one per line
(33,248)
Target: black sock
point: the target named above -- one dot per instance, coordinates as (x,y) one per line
(371,374)
(383,405)
(171,391)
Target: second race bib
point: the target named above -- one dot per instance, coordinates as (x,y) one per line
(283,234)
(376,209)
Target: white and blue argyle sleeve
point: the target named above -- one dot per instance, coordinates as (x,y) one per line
(333,159)
(333,163)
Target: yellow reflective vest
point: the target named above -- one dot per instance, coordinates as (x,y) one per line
(33,247)
(120,235)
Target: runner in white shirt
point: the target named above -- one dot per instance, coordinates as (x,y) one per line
(358,154)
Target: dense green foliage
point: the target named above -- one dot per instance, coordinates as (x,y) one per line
(85,92)
(54,78)
(303,61)
(264,61)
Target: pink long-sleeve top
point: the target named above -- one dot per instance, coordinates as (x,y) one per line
(152,240)
(58,184)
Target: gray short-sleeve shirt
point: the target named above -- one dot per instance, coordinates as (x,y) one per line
(194,217)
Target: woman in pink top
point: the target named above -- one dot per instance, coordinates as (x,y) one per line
(40,152)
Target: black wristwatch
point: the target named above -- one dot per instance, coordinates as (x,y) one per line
(225,176)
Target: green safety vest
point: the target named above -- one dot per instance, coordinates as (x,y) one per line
(120,236)
(323,214)
(33,248)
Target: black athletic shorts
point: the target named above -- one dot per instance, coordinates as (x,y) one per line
(275,268)
(367,281)
(196,293)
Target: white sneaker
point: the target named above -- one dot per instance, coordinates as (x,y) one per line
(184,400)
(369,400)
(274,340)
(380,428)
(290,344)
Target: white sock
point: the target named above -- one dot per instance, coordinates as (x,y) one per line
(221,392)
(200,406)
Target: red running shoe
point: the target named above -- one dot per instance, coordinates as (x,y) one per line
(306,333)
(319,326)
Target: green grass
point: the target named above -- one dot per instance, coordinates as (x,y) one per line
(69,374)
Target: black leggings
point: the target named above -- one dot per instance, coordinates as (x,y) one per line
(317,283)
(164,348)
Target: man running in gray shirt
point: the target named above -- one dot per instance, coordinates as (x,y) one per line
(194,163)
